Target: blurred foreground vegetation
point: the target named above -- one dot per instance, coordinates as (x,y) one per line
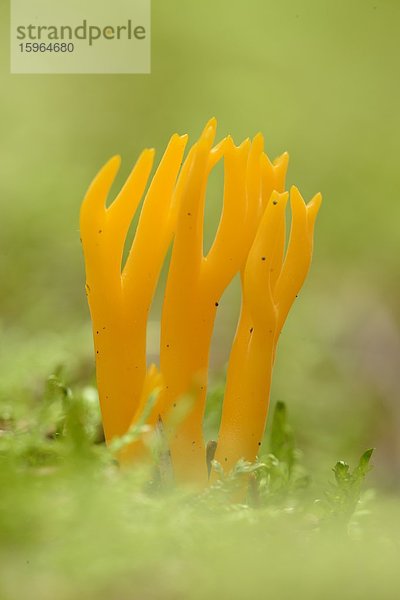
(73,525)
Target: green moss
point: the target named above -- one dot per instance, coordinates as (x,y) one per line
(73,525)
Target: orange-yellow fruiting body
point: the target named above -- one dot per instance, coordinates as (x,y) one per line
(196,283)
(119,302)
(269,289)
(250,239)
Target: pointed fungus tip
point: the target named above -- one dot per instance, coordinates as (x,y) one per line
(281,160)
(315,201)
(317,198)
(176,137)
(111,167)
(229,142)
(221,145)
(208,135)
(258,142)
(150,152)
(265,161)
(296,199)
(294,191)
(210,128)
(245,145)
(114,162)
(285,196)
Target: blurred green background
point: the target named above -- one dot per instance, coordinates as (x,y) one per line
(319,79)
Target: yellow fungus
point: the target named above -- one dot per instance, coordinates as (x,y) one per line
(250,240)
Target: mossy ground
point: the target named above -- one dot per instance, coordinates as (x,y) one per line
(75,525)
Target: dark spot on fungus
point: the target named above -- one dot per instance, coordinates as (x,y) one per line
(216,304)
(259,443)
(97,333)
(189,214)
(167,345)
(100,231)
(263,258)
(226,460)
(193,443)
(274,202)
(174,404)
(251,329)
